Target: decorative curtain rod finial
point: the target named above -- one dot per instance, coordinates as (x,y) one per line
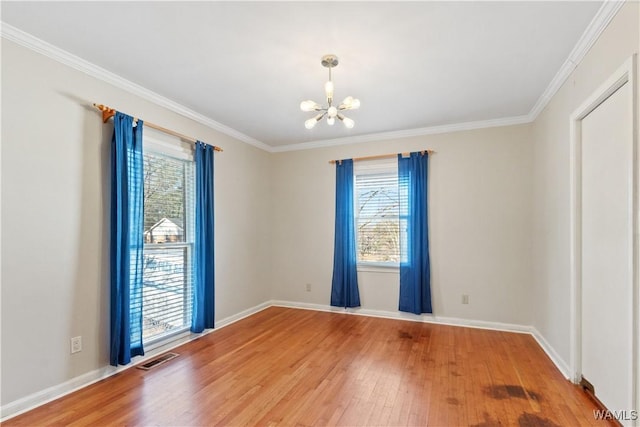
(107,112)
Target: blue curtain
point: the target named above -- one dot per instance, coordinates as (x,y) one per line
(415,269)
(127,222)
(204,267)
(344,286)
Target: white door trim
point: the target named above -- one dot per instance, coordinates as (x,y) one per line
(626,74)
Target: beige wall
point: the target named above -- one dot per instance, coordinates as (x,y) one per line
(499,215)
(480,222)
(55,157)
(551,239)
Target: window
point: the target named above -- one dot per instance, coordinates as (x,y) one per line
(377,211)
(168,243)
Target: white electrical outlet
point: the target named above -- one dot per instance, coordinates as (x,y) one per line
(76,344)
(465,299)
(308,287)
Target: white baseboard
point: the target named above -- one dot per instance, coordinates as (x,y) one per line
(47,395)
(239,316)
(562,366)
(399,315)
(42,397)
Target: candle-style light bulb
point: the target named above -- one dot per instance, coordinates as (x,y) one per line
(328,89)
(309,105)
(349,124)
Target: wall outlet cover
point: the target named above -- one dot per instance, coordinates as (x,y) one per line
(76,344)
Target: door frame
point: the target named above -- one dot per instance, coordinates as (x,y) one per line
(626,74)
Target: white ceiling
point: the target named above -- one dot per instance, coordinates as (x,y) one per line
(247,65)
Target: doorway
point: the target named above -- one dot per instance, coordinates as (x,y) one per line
(604,252)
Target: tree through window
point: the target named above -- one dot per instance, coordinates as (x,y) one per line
(168,237)
(377,213)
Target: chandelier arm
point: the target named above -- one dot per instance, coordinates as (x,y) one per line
(349,123)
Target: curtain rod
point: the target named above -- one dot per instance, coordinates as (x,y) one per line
(382,156)
(108,112)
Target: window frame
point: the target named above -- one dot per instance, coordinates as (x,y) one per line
(374,167)
(159,143)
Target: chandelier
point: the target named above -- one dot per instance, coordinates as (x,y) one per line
(330,111)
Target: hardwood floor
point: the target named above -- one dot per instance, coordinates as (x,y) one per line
(306,368)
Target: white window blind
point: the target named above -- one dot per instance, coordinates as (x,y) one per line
(168,250)
(377,213)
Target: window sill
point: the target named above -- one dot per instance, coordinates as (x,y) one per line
(165,339)
(378,268)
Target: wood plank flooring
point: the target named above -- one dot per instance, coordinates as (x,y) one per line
(294,367)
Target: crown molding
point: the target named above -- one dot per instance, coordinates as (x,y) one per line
(384,136)
(40,46)
(591,34)
(593,31)
(603,17)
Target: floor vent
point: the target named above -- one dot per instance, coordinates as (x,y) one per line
(157,361)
